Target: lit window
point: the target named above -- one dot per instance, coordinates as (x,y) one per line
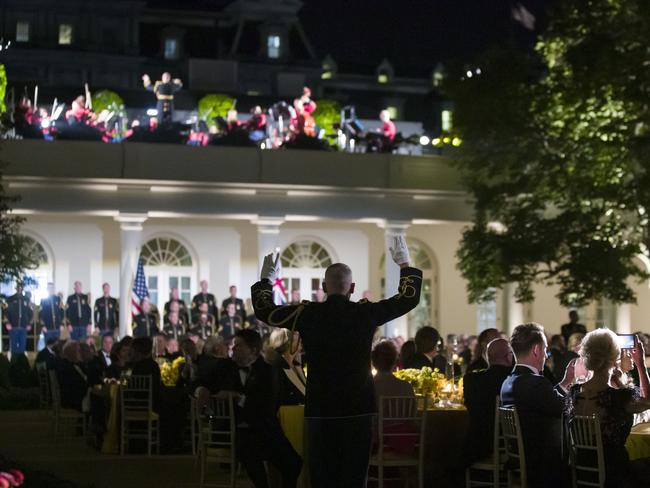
(392,111)
(382,78)
(273,47)
(65,34)
(171,48)
(486,315)
(22,32)
(446,120)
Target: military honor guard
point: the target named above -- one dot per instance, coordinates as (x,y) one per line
(204,297)
(175,300)
(203,325)
(78,313)
(237,302)
(106,312)
(164,89)
(145,324)
(51,315)
(174,326)
(230,322)
(18,320)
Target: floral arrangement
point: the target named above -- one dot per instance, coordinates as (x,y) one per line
(11,478)
(425,381)
(170,372)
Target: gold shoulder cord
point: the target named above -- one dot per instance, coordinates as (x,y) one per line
(293,315)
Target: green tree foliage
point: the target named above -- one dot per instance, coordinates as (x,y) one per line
(328,113)
(3,88)
(14,255)
(215,105)
(107,100)
(556,153)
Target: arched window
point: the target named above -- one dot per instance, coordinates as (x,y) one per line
(168,264)
(36,279)
(303,267)
(426,312)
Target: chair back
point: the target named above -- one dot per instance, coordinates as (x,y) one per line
(514,443)
(400,426)
(136,395)
(217,431)
(587,455)
(498,441)
(42,375)
(56,391)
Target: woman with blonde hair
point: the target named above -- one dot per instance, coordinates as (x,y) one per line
(612,402)
(282,353)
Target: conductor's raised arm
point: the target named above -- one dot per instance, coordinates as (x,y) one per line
(262,296)
(408,291)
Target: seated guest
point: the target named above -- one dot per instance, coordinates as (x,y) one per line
(480,390)
(159,346)
(426,347)
(406,353)
(283,356)
(47,355)
(207,363)
(613,403)
(259,435)
(105,352)
(143,364)
(171,348)
(174,326)
(539,405)
(557,349)
(484,338)
(384,357)
(189,369)
(230,322)
(120,358)
(72,378)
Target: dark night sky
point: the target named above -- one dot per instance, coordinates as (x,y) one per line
(413,34)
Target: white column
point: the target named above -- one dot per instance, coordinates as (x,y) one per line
(514,311)
(398,326)
(131,241)
(623,318)
(268,237)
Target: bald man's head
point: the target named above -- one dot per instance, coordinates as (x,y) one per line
(499,353)
(338,280)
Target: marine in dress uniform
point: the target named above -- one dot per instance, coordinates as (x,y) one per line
(145,324)
(106,312)
(229,324)
(204,297)
(337,336)
(78,313)
(183,314)
(174,326)
(204,326)
(238,302)
(18,320)
(51,315)
(164,89)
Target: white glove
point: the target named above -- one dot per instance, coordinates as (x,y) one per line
(270,267)
(399,250)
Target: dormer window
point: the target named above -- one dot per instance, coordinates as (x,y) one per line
(65,34)
(171,48)
(22,31)
(273,46)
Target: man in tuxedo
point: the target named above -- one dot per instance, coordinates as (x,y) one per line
(259,435)
(480,390)
(240,310)
(337,336)
(426,346)
(539,405)
(104,354)
(47,354)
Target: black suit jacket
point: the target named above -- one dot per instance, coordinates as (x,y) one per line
(540,407)
(419,361)
(260,390)
(47,357)
(337,336)
(480,390)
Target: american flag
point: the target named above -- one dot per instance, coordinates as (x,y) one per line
(140,290)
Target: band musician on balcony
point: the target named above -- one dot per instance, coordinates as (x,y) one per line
(164,89)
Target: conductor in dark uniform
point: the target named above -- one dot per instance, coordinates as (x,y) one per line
(337,336)
(106,312)
(237,302)
(78,313)
(18,320)
(204,297)
(164,89)
(145,323)
(51,314)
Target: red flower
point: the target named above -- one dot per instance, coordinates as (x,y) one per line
(18,476)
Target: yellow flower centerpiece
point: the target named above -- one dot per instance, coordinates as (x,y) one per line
(170,372)
(425,381)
